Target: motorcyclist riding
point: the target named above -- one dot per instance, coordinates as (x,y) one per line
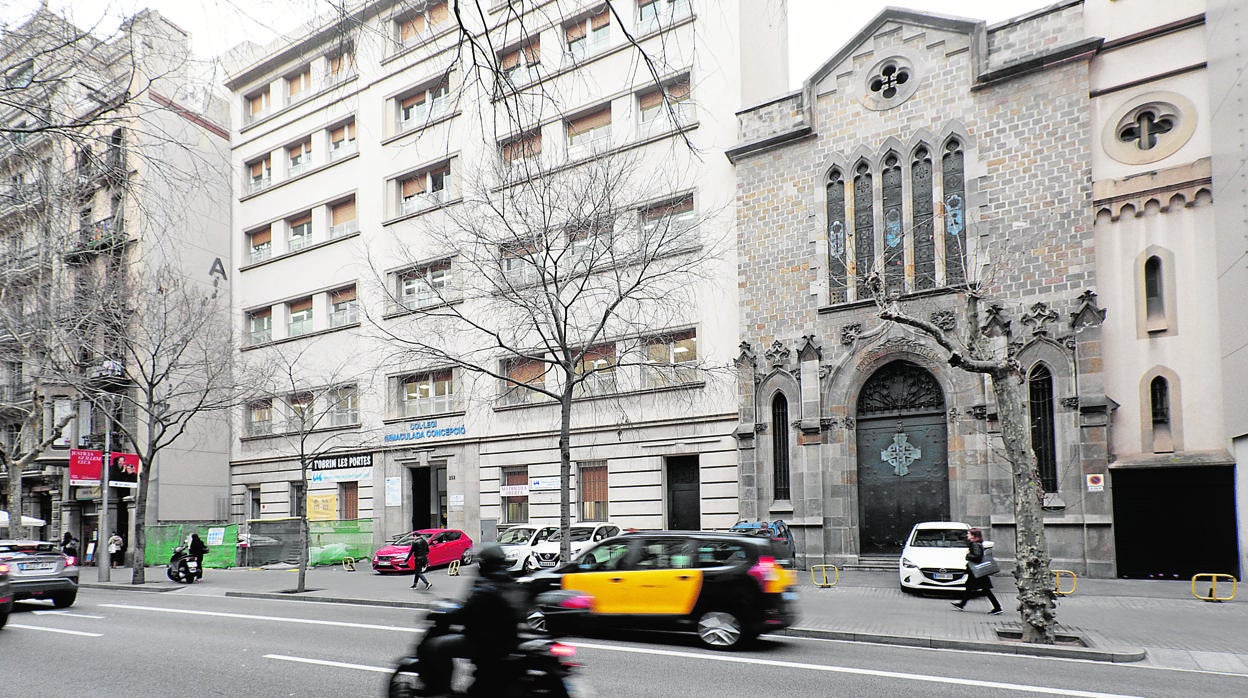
(489,617)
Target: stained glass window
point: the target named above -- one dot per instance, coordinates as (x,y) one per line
(921,204)
(894,230)
(864,229)
(780,447)
(836,237)
(1043,436)
(955,213)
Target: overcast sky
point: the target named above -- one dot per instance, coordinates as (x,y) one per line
(817,28)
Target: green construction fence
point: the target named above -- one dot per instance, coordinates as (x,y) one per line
(222,542)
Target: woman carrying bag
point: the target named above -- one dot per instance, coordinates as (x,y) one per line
(978,573)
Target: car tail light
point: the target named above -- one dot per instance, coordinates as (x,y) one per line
(562,651)
(4,569)
(581,601)
(70,560)
(765,570)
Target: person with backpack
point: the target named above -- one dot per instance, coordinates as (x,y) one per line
(418,555)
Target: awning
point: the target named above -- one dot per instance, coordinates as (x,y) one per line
(28,521)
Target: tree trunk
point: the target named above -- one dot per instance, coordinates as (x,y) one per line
(565,471)
(138,564)
(1031,571)
(14,506)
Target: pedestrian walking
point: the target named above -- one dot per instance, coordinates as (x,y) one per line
(418,554)
(976,586)
(69,545)
(115,546)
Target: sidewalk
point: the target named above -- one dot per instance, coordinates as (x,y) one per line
(1155,623)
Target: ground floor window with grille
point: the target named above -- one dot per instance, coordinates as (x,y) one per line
(515,494)
(592,490)
(348,501)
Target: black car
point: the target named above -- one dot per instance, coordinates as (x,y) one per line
(726,588)
(38,570)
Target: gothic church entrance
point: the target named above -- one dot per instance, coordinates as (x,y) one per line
(903,459)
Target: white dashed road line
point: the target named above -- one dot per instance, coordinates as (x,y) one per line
(54,630)
(325,662)
(67,614)
(276,619)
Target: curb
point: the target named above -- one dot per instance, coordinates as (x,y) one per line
(419,605)
(1088,653)
(145,587)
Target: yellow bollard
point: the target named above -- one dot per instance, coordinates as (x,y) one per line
(348,564)
(1213,578)
(453,570)
(823,582)
(1057,582)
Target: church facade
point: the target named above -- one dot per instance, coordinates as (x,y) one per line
(1039,183)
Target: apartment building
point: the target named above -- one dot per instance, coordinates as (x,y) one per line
(357,146)
(115,166)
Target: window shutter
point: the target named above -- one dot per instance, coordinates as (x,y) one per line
(589,122)
(258,101)
(300,306)
(300,149)
(509,60)
(439,13)
(260,237)
(301,220)
(260,314)
(336,64)
(593,483)
(533,52)
(516,476)
(678,91)
(343,212)
(342,295)
(258,167)
(338,134)
(651,99)
(414,185)
(601,19)
(572,32)
(411,27)
(527,371)
(297,83)
(418,98)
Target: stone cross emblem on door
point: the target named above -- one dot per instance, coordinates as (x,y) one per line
(900,454)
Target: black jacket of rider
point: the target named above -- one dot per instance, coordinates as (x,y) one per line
(489,616)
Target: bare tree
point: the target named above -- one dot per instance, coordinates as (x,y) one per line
(561,286)
(307,408)
(167,344)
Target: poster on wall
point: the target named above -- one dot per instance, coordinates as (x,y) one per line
(323,507)
(394,491)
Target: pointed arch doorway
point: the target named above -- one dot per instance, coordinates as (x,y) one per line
(903,458)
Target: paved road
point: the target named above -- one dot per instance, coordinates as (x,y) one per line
(118,643)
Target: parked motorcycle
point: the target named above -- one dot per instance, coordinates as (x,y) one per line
(183,568)
(539,666)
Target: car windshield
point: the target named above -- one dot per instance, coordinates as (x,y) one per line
(407,538)
(515,536)
(939,538)
(575,535)
(26,547)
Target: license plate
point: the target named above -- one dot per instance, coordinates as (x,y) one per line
(943,576)
(192,564)
(36,566)
(789,595)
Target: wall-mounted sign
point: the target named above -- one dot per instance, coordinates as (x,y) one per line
(429,429)
(345,475)
(513,491)
(544,483)
(394,491)
(85,466)
(216,536)
(363,460)
(323,507)
(1096,482)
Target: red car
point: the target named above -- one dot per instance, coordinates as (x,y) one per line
(445,546)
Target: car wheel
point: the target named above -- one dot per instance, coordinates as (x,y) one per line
(720,630)
(64,599)
(405,684)
(906,589)
(4,615)
(466,558)
(536,620)
(530,565)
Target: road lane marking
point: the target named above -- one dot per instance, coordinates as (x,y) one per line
(279,619)
(55,630)
(326,662)
(849,670)
(67,614)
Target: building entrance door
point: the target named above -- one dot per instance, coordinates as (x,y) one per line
(903,461)
(429,496)
(684,496)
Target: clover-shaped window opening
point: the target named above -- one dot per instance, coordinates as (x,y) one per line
(1145,126)
(890,78)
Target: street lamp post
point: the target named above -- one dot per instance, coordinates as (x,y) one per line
(103,560)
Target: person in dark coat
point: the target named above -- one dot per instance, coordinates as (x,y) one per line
(419,555)
(198,550)
(69,545)
(982,585)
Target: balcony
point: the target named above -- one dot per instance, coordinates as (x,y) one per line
(420,202)
(20,194)
(299,166)
(344,228)
(260,428)
(341,149)
(93,238)
(346,316)
(12,394)
(18,263)
(260,253)
(259,336)
(256,184)
(105,372)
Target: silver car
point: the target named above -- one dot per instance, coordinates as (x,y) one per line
(38,570)
(6,594)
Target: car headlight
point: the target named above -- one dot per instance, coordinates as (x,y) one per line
(512,554)
(905,562)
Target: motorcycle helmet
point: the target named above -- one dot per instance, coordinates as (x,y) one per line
(491,559)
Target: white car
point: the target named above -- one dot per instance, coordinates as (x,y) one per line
(935,557)
(518,543)
(580,535)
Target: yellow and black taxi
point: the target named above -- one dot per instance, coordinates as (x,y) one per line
(727,588)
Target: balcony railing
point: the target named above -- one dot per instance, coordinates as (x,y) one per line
(20,194)
(347,316)
(13,393)
(259,254)
(342,150)
(256,184)
(344,228)
(300,167)
(98,236)
(420,202)
(256,337)
(264,428)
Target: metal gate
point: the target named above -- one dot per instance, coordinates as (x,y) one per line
(903,465)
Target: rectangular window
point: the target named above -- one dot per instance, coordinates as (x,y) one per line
(521,154)
(413,110)
(21,76)
(300,231)
(424,190)
(425,286)
(671,360)
(419,25)
(520,65)
(259,174)
(342,220)
(519,264)
(348,501)
(653,14)
(342,140)
(300,317)
(302,416)
(654,111)
(515,494)
(343,307)
(253,503)
(260,418)
(588,36)
(520,373)
(589,133)
(428,393)
(591,490)
(260,244)
(343,404)
(412,29)
(339,67)
(257,105)
(259,326)
(297,84)
(668,220)
(300,155)
(596,371)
